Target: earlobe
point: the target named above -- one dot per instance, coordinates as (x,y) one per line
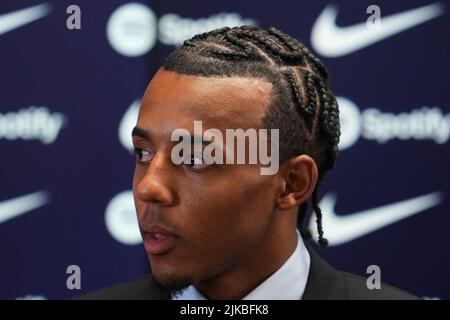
(287,202)
(299,182)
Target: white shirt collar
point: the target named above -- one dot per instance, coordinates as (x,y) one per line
(287,283)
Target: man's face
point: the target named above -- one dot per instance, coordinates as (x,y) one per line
(217,215)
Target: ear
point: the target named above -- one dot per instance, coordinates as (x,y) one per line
(299,180)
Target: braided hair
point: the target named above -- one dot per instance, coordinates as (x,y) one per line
(303,108)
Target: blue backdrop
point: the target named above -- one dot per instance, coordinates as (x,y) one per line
(69,98)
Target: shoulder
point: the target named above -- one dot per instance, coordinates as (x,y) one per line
(143,288)
(327,283)
(356,289)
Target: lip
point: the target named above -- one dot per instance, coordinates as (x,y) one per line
(158,240)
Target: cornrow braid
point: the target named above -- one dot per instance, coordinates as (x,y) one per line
(303,108)
(298,100)
(322,241)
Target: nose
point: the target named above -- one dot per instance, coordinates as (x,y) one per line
(154,186)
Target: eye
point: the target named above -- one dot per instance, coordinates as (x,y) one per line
(142,155)
(190,162)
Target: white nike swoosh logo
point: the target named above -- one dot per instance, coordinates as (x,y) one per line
(13,208)
(340,229)
(16,19)
(332,41)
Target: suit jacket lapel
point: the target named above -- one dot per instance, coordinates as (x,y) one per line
(324,282)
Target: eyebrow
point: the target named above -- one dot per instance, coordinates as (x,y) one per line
(193,140)
(139,132)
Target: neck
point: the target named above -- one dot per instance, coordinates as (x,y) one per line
(241,278)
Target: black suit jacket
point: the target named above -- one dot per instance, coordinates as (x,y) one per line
(324,283)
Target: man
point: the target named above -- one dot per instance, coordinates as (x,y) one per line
(225,230)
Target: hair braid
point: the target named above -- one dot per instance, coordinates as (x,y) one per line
(303,108)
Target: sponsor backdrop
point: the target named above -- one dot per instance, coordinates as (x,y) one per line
(71,81)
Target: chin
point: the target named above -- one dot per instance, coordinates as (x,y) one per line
(168,273)
(175,282)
